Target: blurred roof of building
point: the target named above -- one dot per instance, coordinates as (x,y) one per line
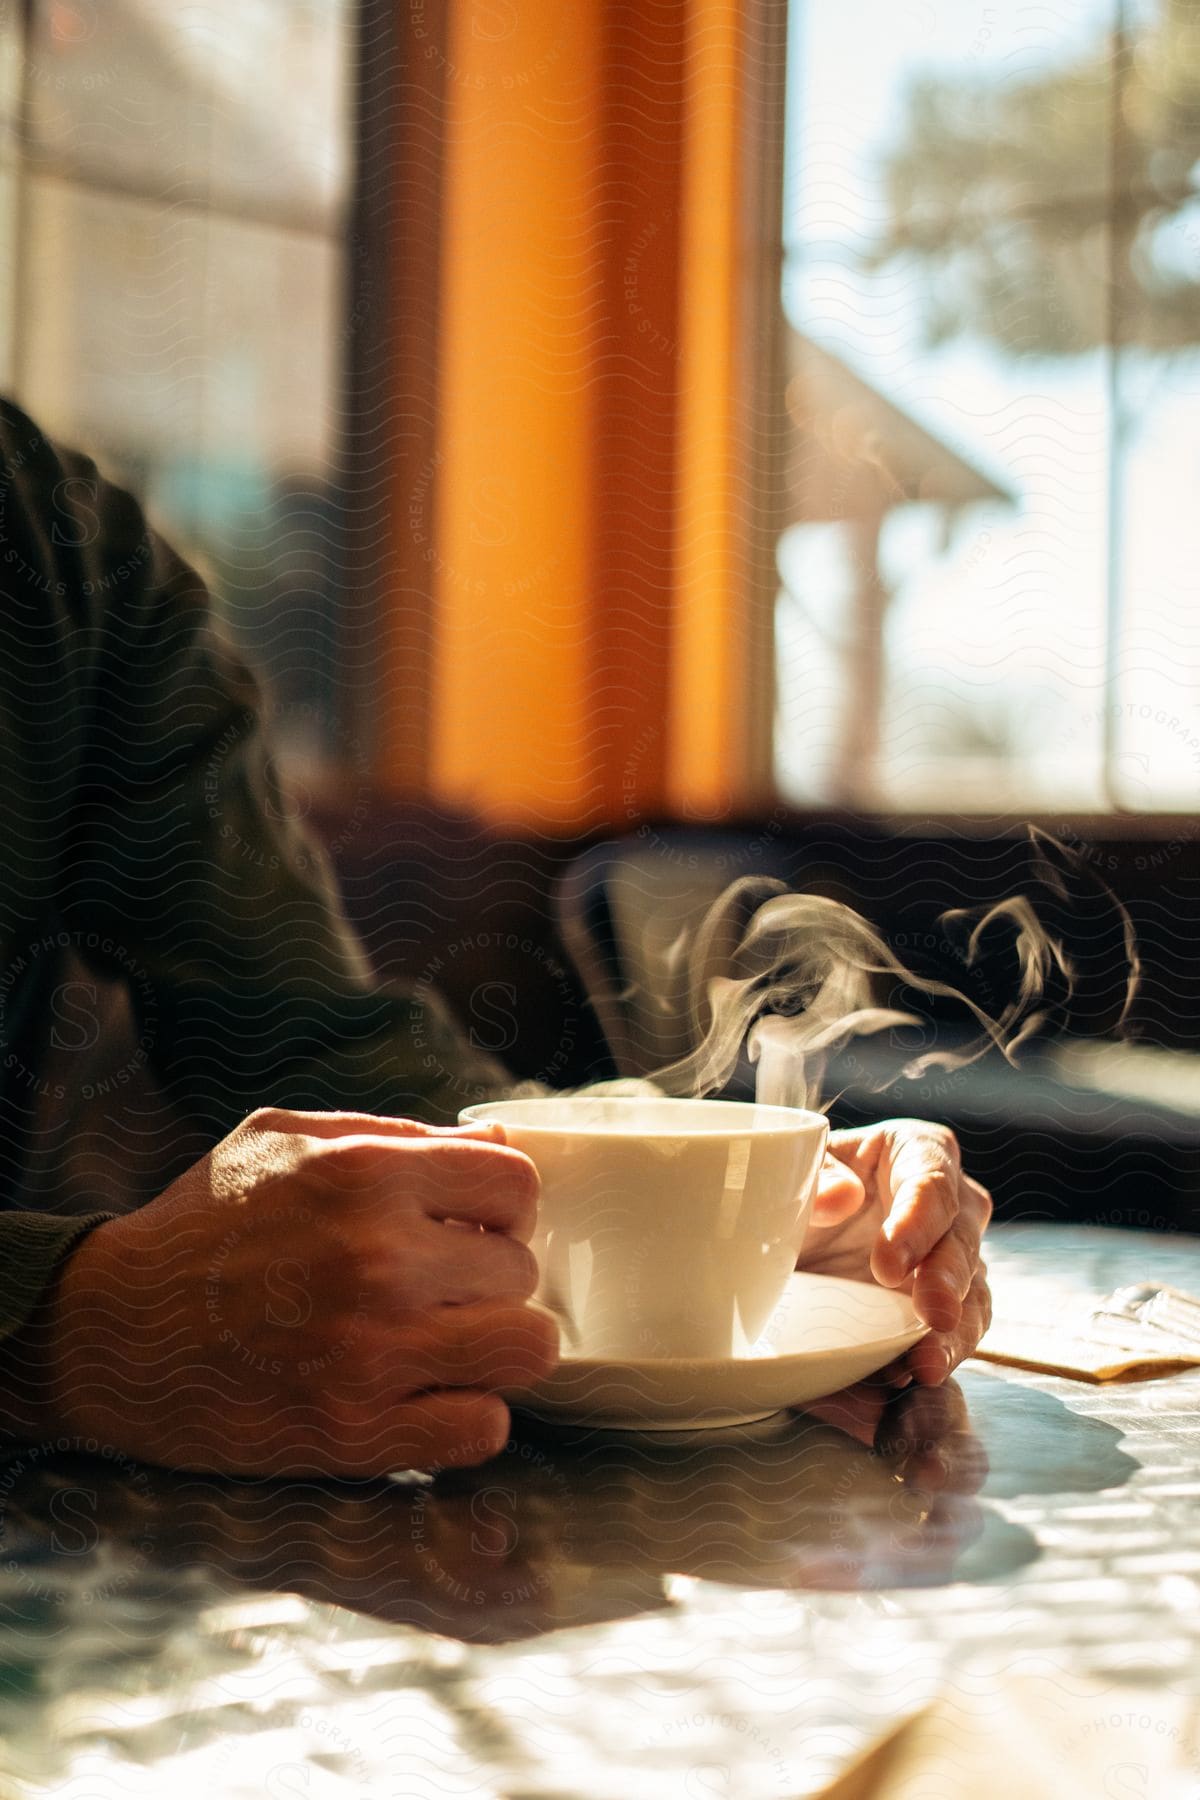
(859,454)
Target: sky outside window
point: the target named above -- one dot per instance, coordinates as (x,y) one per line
(1005,686)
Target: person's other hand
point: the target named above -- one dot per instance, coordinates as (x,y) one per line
(894,1206)
(324,1293)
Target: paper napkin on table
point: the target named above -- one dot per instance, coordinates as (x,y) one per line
(1085,1341)
(1036,1740)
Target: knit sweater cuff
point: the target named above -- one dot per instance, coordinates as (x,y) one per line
(31,1247)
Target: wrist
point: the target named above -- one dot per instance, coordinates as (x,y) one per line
(44,1364)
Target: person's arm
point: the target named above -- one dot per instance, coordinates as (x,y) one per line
(142,829)
(184,845)
(177,852)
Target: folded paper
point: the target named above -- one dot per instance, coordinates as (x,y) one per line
(1097,1341)
(1040,1740)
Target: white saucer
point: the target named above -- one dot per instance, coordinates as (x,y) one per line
(825,1334)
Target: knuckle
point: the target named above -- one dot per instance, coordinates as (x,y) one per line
(492,1174)
(964,1265)
(528,1181)
(499,1163)
(543,1335)
(526,1271)
(506,1265)
(460,1162)
(347,1161)
(928,1129)
(937,1188)
(350,1279)
(270,1118)
(515,1170)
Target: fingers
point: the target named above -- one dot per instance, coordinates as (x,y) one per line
(855,1410)
(450,1429)
(422,1397)
(491,1344)
(921,1416)
(944,1278)
(932,1231)
(927,1429)
(930,1431)
(486,1184)
(913,1169)
(446,1176)
(840,1193)
(921,1169)
(357,1439)
(459,1264)
(931,1360)
(352,1124)
(431,1264)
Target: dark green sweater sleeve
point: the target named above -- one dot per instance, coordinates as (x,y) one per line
(31,1247)
(147,837)
(184,849)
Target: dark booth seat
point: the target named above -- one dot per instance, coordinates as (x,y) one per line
(556,956)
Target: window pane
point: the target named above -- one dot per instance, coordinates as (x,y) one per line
(236,103)
(197,357)
(114,293)
(267,496)
(942,628)
(1155,708)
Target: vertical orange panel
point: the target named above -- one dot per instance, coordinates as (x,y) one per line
(708,736)
(636,386)
(511,539)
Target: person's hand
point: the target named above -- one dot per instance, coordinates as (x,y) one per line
(894,1206)
(325,1293)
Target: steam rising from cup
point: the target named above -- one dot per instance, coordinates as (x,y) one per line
(792,977)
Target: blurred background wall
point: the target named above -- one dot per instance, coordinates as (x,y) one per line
(615,419)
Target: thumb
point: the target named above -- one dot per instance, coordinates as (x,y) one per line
(840,1193)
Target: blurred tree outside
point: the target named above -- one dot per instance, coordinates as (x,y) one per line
(1020,206)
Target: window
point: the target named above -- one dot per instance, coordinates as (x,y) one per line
(990,575)
(173,185)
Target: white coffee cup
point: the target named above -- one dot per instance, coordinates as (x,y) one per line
(667,1228)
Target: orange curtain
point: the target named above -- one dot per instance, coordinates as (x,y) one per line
(583,515)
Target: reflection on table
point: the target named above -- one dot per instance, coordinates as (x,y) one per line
(594,1614)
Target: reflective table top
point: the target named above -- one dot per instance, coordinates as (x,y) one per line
(728,1613)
